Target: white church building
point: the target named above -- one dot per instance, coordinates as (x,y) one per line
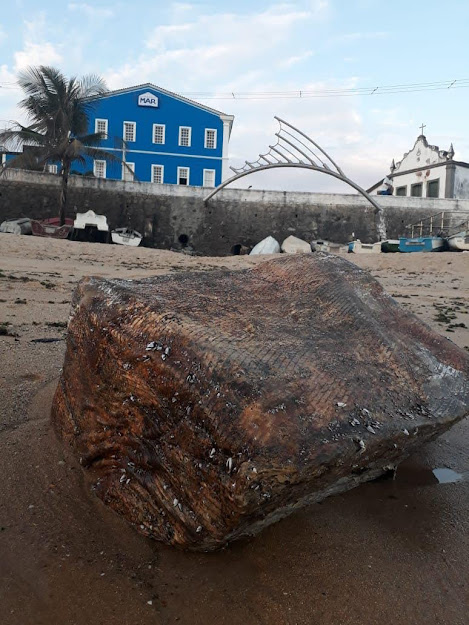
(427,171)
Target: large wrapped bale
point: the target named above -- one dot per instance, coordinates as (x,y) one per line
(205,406)
(294,245)
(269,245)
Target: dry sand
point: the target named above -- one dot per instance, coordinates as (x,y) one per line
(389,552)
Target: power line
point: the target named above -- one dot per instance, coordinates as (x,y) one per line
(331,93)
(452,84)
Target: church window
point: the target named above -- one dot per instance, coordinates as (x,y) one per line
(433,188)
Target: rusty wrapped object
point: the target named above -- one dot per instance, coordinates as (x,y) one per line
(205,406)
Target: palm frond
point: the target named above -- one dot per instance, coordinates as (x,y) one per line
(92,86)
(58,110)
(120,143)
(92,139)
(26,160)
(80,159)
(46,103)
(19,136)
(101,154)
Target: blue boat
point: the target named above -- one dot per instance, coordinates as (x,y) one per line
(421,244)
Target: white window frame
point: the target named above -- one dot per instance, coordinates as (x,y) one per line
(163,126)
(52,168)
(126,172)
(205,171)
(134,124)
(106,124)
(207,130)
(189,140)
(104,168)
(188,175)
(160,167)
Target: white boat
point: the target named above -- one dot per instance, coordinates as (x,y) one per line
(126,236)
(459,241)
(357,247)
(16,226)
(90,218)
(320,246)
(90,227)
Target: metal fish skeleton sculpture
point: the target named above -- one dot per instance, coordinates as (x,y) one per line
(205,406)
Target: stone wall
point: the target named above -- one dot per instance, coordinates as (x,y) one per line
(173,216)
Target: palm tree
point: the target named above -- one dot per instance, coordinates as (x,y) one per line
(58,110)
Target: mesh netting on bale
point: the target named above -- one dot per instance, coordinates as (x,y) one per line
(205,406)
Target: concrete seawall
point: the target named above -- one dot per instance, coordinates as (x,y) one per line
(173,216)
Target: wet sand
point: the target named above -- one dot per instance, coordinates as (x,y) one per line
(387,552)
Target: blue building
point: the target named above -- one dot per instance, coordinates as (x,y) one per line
(161,136)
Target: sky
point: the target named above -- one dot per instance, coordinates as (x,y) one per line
(220,47)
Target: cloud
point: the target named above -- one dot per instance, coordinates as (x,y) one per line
(37,49)
(195,47)
(91,11)
(232,44)
(250,32)
(391,117)
(9,95)
(319,8)
(43,53)
(182,6)
(333,123)
(349,37)
(293,60)
(246,52)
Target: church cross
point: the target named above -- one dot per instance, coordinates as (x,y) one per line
(422,127)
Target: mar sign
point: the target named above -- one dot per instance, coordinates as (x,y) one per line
(148,99)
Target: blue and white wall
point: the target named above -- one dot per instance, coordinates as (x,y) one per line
(168,139)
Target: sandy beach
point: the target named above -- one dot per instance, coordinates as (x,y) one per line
(389,552)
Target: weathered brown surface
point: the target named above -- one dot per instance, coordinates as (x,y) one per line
(205,405)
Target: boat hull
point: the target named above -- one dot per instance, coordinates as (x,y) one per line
(421,244)
(391,246)
(51,228)
(357,247)
(131,238)
(459,242)
(320,246)
(90,227)
(91,219)
(16,226)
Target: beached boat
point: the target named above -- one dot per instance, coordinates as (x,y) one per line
(357,247)
(320,246)
(459,242)
(51,228)
(91,227)
(389,246)
(126,236)
(421,244)
(16,226)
